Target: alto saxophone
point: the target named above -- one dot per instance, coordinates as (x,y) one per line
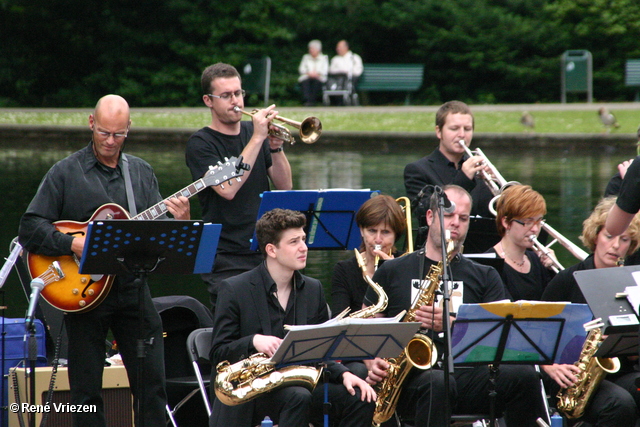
(573,400)
(379,306)
(419,353)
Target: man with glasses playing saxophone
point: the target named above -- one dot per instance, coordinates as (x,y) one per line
(252,311)
(234,206)
(423,392)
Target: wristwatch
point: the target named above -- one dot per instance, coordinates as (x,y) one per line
(275,150)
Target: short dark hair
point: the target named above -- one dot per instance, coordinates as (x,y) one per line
(274,223)
(451,107)
(215,71)
(382,209)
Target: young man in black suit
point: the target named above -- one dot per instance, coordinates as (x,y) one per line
(252,311)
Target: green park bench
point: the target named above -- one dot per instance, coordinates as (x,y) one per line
(391,78)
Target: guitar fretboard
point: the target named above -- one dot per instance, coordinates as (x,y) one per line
(161,208)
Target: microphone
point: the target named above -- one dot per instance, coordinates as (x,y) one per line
(37,285)
(447,205)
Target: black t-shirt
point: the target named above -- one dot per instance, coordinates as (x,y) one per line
(401,278)
(237,216)
(348,286)
(564,287)
(526,286)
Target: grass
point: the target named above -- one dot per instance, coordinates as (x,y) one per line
(379,120)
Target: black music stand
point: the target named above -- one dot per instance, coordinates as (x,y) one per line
(330,214)
(601,287)
(344,339)
(141,247)
(523,332)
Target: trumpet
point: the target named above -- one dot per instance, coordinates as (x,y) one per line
(497,184)
(309,129)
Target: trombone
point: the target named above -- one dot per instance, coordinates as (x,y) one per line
(309,129)
(496,183)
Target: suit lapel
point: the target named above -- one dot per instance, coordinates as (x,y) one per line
(260,303)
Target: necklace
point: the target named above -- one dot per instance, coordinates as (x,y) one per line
(519,264)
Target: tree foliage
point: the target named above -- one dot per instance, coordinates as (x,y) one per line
(70,52)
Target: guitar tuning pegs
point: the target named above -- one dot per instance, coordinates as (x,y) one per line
(219,163)
(211,167)
(239,179)
(222,186)
(226,159)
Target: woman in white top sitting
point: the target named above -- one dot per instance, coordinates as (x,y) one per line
(313,71)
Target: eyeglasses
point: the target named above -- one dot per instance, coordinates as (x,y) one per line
(116,136)
(529,222)
(227,95)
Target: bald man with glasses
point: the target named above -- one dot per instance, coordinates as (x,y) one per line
(72,190)
(234,206)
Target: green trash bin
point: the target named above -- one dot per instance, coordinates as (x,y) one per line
(577,73)
(256,77)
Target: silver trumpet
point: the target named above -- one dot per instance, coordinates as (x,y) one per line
(497,184)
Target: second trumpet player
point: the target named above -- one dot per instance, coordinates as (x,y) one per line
(227,135)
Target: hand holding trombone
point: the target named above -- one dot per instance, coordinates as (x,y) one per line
(497,183)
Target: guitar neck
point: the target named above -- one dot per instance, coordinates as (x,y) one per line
(160,208)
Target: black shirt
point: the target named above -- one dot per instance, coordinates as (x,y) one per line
(73,189)
(436,169)
(472,282)
(526,286)
(237,216)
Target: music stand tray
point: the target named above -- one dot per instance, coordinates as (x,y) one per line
(522,332)
(331,214)
(165,247)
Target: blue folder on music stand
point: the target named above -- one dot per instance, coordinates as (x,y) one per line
(330,214)
(168,246)
(521,332)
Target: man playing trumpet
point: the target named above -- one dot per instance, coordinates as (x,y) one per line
(234,206)
(449,164)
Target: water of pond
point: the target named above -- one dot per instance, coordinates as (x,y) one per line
(571,182)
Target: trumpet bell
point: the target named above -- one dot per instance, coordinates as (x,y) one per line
(310,130)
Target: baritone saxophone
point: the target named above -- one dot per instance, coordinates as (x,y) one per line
(420,352)
(573,400)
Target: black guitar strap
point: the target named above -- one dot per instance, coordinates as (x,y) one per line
(127,183)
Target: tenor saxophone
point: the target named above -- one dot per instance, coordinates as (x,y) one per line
(247,379)
(419,353)
(573,400)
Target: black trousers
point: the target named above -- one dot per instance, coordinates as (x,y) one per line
(87,351)
(518,395)
(610,405)
(297,406)
(311,90)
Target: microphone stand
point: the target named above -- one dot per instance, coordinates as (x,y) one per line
(37,285)
(447,358)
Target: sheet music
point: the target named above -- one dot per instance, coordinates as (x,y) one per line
(633,295)
(347,321)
